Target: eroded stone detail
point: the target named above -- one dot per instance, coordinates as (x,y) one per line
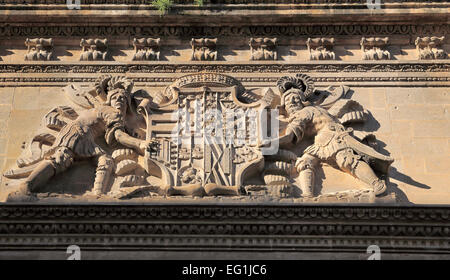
(321,48)
(39,49)
(146,49)
(94,50)
(263,48)
(430,47)
(204,49)
(374,48)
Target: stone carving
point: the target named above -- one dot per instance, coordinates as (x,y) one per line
(325,119)
(204,49)
(263,48)
(184,141)
(321,48)
(94,50)
(146,49)
(374,48)
(430,47)
(39,49)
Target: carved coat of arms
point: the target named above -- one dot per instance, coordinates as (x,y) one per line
(204,135)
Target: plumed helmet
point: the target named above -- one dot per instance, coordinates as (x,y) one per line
(302,82)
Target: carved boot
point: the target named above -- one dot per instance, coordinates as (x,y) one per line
(379,187)
(102,175)
(306,177)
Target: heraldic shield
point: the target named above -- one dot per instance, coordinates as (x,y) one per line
(205,133)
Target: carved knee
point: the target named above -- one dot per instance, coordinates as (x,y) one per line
(347,160)
(61,159)
(306,162)
(105,163)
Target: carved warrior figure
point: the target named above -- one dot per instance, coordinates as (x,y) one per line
(184,141)
(77,139)
(332,142)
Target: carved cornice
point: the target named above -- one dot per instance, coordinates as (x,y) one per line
(414,229)
(142,29)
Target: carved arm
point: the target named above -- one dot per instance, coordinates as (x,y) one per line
(131,142)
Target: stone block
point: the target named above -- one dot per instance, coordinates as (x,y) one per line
(440,128)
(6,95)
(26,98)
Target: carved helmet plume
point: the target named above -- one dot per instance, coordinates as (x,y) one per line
(302,82)
(105,84)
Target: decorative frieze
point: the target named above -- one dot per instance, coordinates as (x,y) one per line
(39,49)
(430,47)
(204,49)
(94,50)
(321,48)
(146,49)
(263,48)
(374,48)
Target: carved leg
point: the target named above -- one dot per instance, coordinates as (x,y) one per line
(212,189)
(306,166)
(349,162)
(61,159)
(193,189)
(103,172)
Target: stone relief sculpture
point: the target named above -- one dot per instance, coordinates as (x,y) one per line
(204,49)
(332,141)
(321,48)
(374,48)
(203,135)
(263,48)
(146,49)
(430,47)
(39,49)
(94,50)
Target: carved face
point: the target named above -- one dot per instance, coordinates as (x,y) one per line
(118,100)
(293,100)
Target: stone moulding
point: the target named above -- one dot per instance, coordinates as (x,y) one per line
(232,67)
(249,228)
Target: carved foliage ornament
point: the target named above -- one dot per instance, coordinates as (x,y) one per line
(374,48)
(321,48)
(263,48)
(204,49)
(146,49)
(94,50)
(39,49)
(430,47)
(201,137)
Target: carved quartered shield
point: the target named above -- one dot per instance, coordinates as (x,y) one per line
(205,132)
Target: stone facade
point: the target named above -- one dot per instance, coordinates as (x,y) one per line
(391,64)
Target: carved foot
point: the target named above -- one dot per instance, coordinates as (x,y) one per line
(20,194)
(379,187)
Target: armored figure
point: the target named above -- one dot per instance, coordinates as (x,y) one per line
(332,142)
(78,139)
